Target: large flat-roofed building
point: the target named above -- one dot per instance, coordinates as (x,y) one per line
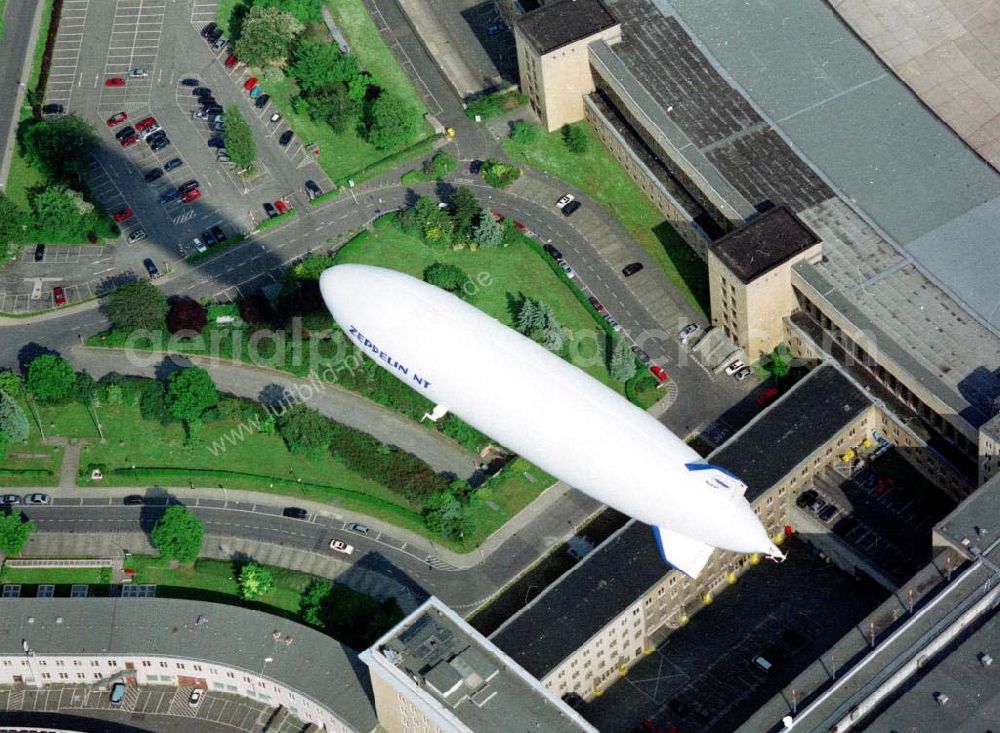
(721,111)
(172,642)
(584,631)
(433,673)
(923,658)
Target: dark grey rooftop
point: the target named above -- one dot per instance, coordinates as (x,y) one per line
(561,22)
(456,673)
(774,442)
(627,564)
(764,243)
(313,664)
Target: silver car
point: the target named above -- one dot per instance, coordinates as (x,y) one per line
(138,73)
(136,234)
(37,499)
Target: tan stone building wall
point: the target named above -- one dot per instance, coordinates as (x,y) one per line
(397,713)
(752,313)
(555,83)
(989,449)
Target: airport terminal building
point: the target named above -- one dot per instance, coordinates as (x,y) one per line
(834,211)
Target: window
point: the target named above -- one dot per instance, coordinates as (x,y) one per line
(94,663)
(46,676)
(146,663)
(163,665)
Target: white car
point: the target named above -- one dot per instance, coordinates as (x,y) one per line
(688,331)
(37,499)
(199,245)
(138,73)
(136,234)
(276,117)
(567,269)
(339,546)
(155,127)
(743,373)
(564,200)
(196,694)
(735,367)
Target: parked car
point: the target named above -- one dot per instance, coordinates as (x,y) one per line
(193,195)
(359,528)
(806,498)
(117,119)
(567,269)
(58,296)
(201,92)
(286,137)
(215,35)
(631,268)
(134,500)
(250,83)
(210,28)
(216,142)
(312,190)
(115,81)
(281,206)
(223,158)
(187,186)
(688,331)
(569,208)
(598,305)
(151,268)
(52,109)
(123,214)
(734,366)
(190,82)
(10,500)
(641,355)
(276,117)
(196,694)
(552,251)
(743,374)
(219,235)
(117,694)
(294,512)
(152,175)
(563,200)
(129,141)
(173,163)
(270,210)
(615,325)
(169,195)
(38,499)
(146,123)
(766,396)
(827,512)
(138,73)
(231,61)
(659,372)
(475,167)
(199,114)
(496,29)
(207,237)
(219,43)
(39,252)
(256,92)
(125,132)
(817,505)
(340,546)
(158,143)
(262,101)
(214,109)
(199,245)
(136,234)
(151,130)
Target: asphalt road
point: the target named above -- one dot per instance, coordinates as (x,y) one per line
(16,48)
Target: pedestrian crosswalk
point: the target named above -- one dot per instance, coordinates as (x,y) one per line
(186,216)
(438,563)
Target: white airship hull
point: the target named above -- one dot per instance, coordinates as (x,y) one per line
(543,408)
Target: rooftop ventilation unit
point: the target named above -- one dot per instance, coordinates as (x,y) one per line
(985,659)
(941,698)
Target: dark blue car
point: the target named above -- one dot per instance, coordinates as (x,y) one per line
(169,195)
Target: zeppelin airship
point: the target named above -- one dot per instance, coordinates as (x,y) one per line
(547,410)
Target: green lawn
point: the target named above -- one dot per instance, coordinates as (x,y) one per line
(56,576)
(510,272)
(604,180)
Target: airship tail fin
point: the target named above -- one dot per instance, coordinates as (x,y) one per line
(687,555)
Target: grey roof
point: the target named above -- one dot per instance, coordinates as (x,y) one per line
(772,444)
(764,243)
(628,564)
(312,664)
(457,672)
(561,22)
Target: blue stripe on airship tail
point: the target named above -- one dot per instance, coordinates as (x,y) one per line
(659,546)
(707,466)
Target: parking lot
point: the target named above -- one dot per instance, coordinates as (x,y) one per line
(703,678)
(159,708)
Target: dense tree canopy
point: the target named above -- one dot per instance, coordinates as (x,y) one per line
(304,430)
(387,123)
(189,393)
(333,104)
(136,305)
(239,138)
(255,581)
(489,232)
(61,147)
(178,534)
(464,210)
(315,65)
(15,529)
(186,314)
(447,277)
(50,379)
(266,36)
(13,421)
(307,11)
(54,210)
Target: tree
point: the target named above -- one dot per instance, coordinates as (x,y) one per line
(54,211)
(239,138)
(4,442)
(527,316)
(152,401)
(439,166)
(11,383)
(316,65)
(15,529)
(61,147)
(255,581)
(447,515)
(447,277)
(50,379)
(499,174)
(84,389)
(11,223)
(13,421)
(186,314)
(266,36)
(430,220)
(138,305)
(622,366)
(307,11)
(178,534)
(575,138)
(464,209)
(189,393)
(313,599)
(488,232)
(525,133)
(333,105)
(304,430)
(387,122)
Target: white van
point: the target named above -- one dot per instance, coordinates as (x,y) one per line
(762,663)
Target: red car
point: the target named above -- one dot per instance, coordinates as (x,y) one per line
(115,81)
(123,214)
(766,396)
(498,216)
(130,140)
(143,124)
(190,196)
(281,206)
(117,119)
(659,372)
(597,304)
(231,61)
(250,83)
(520,226)
(59,296)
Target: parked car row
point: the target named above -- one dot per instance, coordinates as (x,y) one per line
(30,499)
(738,370)
(810,499)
